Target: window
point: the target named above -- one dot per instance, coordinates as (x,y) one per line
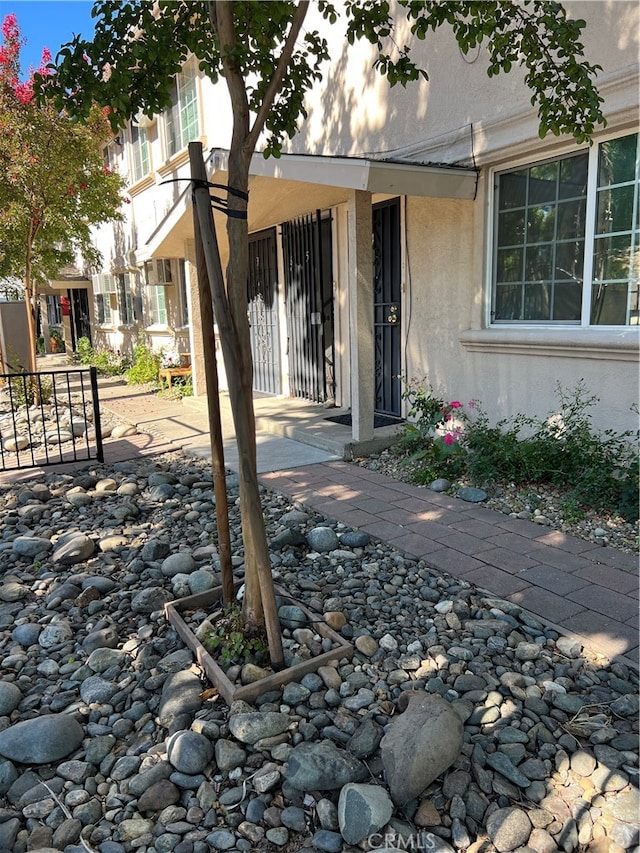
(181,118)
(184,302)
(157,306)
(103,286)
(140,163)
(125,299)
(567,245)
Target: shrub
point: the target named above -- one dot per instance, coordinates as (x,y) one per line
(108,362)
(146,364)
(595,469)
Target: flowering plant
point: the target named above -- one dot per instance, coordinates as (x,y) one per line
(169,358)
(433,438)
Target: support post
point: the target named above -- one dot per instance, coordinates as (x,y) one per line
(359,218)
(213,402)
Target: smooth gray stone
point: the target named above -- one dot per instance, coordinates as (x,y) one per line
(363,810)
(41,739)
(322,766)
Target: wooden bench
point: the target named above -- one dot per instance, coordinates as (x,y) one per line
(169,373)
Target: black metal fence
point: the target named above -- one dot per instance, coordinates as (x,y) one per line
(49,418)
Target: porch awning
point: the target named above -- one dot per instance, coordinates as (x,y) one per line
(286,187)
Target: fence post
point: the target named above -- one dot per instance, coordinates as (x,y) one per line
(93,373)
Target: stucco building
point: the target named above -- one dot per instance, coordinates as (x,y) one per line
(425,232)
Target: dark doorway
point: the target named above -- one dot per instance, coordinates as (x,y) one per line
(387,290)
(262,293)
(81,323)
(307,248)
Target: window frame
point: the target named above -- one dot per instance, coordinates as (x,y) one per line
(139,153)
(124,288)
(589,240)
(153,308)
(174,116)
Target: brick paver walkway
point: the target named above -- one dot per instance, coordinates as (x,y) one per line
(581,588)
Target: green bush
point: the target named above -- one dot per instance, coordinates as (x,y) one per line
(84,351)
(595,469)
(146,364)
(107,362)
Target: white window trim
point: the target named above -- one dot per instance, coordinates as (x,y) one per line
(169,156)
(629,331)
(136,147)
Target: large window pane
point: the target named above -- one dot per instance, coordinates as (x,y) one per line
(571,219)
(538,266)
(569,261)
(541,224)
(567,301)
(508,302)
(549,248)
(512,227)
(615,209)
(543,183)
(510,265)
(618,161)
(537,302)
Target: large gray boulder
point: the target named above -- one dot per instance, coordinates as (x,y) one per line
(321,766)
(419,745)
(42,739)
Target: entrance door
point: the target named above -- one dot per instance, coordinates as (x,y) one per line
(81,325)
(308,278)
(262,293)
(386,282)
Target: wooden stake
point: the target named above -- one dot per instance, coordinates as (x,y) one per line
(213,403)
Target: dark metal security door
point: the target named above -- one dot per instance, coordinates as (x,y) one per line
(387,288)
(262,293)
(81,326)
(307,248)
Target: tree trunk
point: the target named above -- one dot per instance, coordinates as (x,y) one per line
(29,299)
(259,604)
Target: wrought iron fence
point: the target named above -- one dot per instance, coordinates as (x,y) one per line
(49,418)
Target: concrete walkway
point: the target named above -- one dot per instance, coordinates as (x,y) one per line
(582,589)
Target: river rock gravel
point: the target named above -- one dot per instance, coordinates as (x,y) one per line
(111,739)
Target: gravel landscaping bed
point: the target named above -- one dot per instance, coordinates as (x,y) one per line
(462,724)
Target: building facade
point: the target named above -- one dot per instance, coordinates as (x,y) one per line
(424,233)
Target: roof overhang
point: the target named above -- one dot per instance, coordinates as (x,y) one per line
(356,173)
(288,186)
(71,283)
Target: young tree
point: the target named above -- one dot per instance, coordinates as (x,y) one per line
(268,65)
(53,181)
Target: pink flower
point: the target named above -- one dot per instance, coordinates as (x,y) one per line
(449,439)
(455,404)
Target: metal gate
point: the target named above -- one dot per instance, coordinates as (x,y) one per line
(307,248)
(387,289)
(48,418)
(262,293)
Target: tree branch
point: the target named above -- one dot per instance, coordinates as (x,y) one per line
(280,73)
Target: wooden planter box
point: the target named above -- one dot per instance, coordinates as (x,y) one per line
(216,675)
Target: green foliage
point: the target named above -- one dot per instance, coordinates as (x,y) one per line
(596,469)
(84,351)
(27,390)
(146,364)
(249,39)
(536,35)
(231,642)
(108,362)
(430,439)
(181,386)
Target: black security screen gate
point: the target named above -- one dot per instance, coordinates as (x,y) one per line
(262,294)
(387,289)
(49,418)
(307,248)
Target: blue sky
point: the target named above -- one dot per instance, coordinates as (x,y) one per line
(48,23)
